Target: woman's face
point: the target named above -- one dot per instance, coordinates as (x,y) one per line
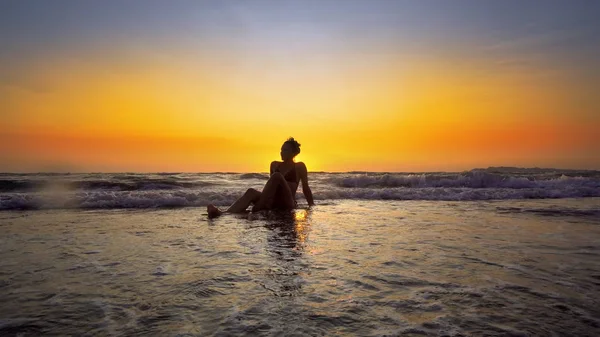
(287,152)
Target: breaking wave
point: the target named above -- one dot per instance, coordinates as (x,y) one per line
(471,179)
(184,198)
(158,190)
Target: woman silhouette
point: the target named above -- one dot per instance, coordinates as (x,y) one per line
(280,190)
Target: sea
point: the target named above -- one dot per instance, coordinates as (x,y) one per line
(499,251)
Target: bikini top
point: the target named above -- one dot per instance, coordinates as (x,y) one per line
(290,176)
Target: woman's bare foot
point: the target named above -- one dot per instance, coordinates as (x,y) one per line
(213,212)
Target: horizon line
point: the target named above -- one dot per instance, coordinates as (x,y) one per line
(264,172)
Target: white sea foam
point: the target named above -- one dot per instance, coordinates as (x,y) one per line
(97,190)
(187,198)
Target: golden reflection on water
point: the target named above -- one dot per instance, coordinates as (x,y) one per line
(302,226)
(368,268)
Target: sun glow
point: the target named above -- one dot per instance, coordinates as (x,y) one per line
(228,102)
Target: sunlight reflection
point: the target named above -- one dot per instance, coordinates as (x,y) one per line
(302,226)
(300,215)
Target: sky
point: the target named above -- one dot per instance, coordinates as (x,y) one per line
(206,86)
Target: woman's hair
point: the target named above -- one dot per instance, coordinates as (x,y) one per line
(295,145)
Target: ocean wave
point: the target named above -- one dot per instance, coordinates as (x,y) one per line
(100,184)
(8,185)
(113,200)
(254,176)
(143,184)
(456,193)
(152,190)
(471,179)
(225,197)
(553,212)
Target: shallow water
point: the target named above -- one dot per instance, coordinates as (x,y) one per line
(352,267)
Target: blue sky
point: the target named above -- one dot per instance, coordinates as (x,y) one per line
(550,26)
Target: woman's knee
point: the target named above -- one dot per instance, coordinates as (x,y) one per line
(253,194)
(276,176)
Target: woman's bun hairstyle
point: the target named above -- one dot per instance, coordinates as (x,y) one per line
(295,145)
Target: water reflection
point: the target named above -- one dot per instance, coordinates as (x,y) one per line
(286,240)
(289,229)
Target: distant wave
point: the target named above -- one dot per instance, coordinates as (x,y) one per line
(17,185)
(116,184)
(147,184)
(254,176)
(471,179)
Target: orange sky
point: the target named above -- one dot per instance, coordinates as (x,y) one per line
(127,107)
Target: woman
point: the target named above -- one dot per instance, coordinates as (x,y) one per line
(280,190)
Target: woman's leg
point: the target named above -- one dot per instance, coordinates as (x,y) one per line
(278,188)
(239,206)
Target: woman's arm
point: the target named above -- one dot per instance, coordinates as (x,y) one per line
(272,168)
(305,188)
